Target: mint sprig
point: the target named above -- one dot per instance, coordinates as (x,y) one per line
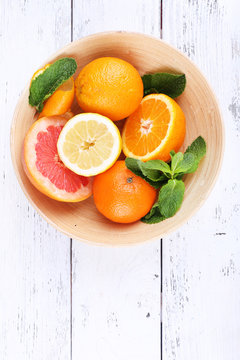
(170,84)
(169,177)
(49,81)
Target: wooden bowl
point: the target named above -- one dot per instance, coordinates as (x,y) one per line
(81,220)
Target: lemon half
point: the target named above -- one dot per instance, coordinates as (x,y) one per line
(89,144)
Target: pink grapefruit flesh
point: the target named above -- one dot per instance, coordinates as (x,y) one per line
(45,169)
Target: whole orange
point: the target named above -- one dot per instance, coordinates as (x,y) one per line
(109,86)
(122,196)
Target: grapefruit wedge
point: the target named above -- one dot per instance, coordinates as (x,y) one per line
(44,168)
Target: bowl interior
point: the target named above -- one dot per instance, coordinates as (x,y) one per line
(147,54)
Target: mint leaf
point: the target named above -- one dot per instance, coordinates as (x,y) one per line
(135,166)
(150,173)
(172,153)
(181,163)
(186,164)
(169,201)
(153,216)
(159,165)
(176,159)
(198,148)
(46,83)
(170,84)
(179,176)
(155,169)
(150,91)
(170,197)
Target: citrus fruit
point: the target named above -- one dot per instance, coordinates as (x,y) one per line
(154,129)
(89,144)
(44,168)
(109,86)
(60,101)
(122,196)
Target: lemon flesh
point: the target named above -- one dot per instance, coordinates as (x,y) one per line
(89,144)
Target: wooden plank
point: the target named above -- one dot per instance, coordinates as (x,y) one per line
(116,291)
(116,302)
(104,15)
(34,258)
(201,266)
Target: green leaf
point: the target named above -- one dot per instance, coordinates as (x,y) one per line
(150,91)
(149,173)
(159,165)
(170,197)
(198,148)
(179,176)
(47,83)
(172,153)
(176,159)
(155,169)
(170,84)
(186,164)
(135,166)
(153,216)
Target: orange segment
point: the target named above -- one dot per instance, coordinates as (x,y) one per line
(60,101)
(154,129)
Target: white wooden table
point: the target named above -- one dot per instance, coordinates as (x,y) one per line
(177,298)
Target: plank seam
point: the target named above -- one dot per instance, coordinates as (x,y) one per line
(71,267)
(71,317)
(161,240)
(161,18)
(71,20)
(161,297)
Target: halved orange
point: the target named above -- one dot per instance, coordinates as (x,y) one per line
(61,100)
(154,129)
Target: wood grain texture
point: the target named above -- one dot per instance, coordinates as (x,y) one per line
(116,292)
(34,258)
(201,267)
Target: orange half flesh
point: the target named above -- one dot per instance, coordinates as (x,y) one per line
(154,129)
